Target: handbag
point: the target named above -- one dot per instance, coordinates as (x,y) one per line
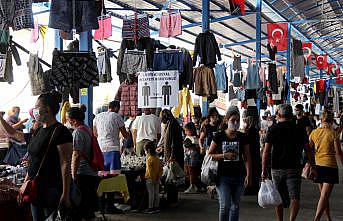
(28,191)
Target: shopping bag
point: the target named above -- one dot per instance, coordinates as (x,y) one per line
(209,170)
(268,195)
(105,28)
(174,174)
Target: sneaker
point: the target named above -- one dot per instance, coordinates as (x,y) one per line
(113,210)
(192,189)
(149,211)
(156,210)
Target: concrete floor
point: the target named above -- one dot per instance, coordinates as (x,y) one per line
(200,207)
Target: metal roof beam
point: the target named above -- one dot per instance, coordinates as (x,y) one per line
(41,12)
(327,38)
(311,8)
(292,5)
(157,9)
(242,43)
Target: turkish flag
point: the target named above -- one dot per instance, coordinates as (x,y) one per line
(278,35)
(321,62)
(330,67)
(334,69)
(241,4)
(307,49)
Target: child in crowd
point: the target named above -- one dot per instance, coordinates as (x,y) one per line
(192,156)
(153,174)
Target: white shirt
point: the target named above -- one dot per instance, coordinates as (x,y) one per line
(108,126)
(147,126)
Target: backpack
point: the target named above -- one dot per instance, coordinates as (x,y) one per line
(97,162)
(128,142)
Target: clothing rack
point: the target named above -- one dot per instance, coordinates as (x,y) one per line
(167,50)
(135,51)
(28,52)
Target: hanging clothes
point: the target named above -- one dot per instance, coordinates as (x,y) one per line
(272,78)
(64,111)
(39,80)
(207,48)
(127,94)
(104,66)
(297,61)
(134,62)
(237,79)
(262,74)
(186,78)
(135,27)
(204,81)
(253,78)
(168,60)
(170,25)
(6,72)
(221,77)
(63,13)
(237,63)
(147,44)
(272,52)
(185,104)
(73,71)
(16,14)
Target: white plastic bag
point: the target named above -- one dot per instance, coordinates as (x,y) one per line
(174,174)
(268,195)
(209,170)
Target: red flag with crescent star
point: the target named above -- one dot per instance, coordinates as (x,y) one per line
(307,49)
(321,62)
(339,76)
(278,35)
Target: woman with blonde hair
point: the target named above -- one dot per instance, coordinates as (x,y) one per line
(326,144)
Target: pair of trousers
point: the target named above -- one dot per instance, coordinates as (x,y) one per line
(229,190)
(153,188)
(40,213)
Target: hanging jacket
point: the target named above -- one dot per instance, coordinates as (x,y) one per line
(207,48)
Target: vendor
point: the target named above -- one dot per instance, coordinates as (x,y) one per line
(14,120)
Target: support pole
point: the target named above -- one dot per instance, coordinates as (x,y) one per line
(205,27)
(86,94)
(258,43)
(288,63)
(58,46)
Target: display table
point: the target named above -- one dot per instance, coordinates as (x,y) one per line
(116,184)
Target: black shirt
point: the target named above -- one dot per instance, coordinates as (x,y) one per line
(288,141)
(50,174)
(209,131)
(303,123)
(234,168)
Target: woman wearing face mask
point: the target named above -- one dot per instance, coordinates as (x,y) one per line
(208,128)
(230,148)
(53,180)
(252,132)
(82,173)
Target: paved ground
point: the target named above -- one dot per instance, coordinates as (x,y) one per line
(200,207)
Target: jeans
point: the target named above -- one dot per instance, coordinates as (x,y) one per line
(41,214)
(229,190)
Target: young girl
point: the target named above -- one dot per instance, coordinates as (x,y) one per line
(152,175)
(192,156)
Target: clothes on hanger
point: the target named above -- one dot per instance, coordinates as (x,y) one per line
(135,27)
(127,94)
(272,51)
(73,71)
(6,72)
(297,60)
(186,77)
(207,48)
(64,15)
(253,78)
(185,103)
(221,77)
(104,66)
(39,80)
(204,82)
(16,14)
(134,62)
(170,25)
(147,44)
(237,79)
(165,60)
(272,78)
(237,63)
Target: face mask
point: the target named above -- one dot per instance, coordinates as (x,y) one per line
(40,117)
(233,127)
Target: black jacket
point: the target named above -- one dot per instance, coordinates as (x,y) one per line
(207,48)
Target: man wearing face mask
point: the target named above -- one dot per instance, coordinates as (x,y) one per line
(285,142)
(301,120)
(14,120)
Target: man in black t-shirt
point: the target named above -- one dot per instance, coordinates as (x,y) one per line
(302,121)
(286,141)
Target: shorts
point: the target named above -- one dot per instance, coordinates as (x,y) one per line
(192,159)
(170,25)
(291,178)
(327,175)
(61,16)
(141,30)
(16,14)
(112,161)
(133,63)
